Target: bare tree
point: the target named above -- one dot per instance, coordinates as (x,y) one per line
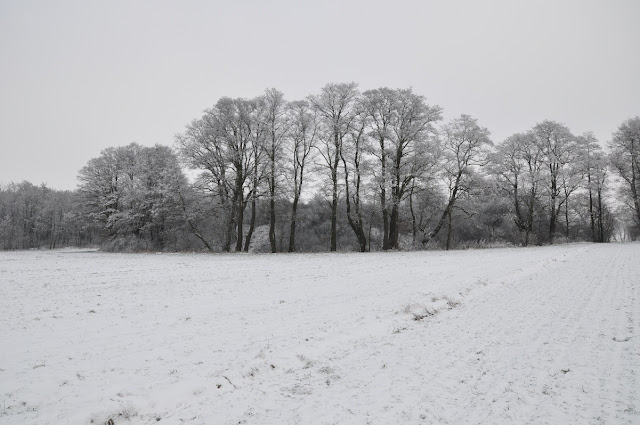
(518,163)
(220,144)
(625,158)
(353,176)
(258,129)
(464,145)
(558,147)
(276,129)
(303,132)
(334,106)
(412,131)
(380,105)
(234,121)
(595,169)
(202,148)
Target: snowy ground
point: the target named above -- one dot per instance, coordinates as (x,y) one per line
(507,336)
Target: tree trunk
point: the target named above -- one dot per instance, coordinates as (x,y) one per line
(414,226)
(252,224)
(443,217)
(292,231)
(600,212)
(566,215)
(239,201)
(334,213)
(297,188)
(334,198)
(272,207)
(355,223)
(393,227)
(240,230)
(634,180)
(554,213)
(369,236)
(383,199)
(272,225)
(552,223)
(190,223)
(52,236)
(448,230)
(229,229)
(592,218)
(385,225)
(530,215)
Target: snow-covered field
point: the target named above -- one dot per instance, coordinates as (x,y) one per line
(506,336)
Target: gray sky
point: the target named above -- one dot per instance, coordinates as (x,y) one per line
(77,77)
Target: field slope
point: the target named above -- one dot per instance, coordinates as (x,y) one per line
(527,336)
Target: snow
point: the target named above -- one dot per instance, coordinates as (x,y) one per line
(521,335)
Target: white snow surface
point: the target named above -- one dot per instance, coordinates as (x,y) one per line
(503,336)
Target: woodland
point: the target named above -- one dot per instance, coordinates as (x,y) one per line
(341,170)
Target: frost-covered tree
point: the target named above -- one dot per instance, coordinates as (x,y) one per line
(409,151)
(131,194)
(201,148)
(559,150)
(303,133)
(276,126)
(465,146)
(594,163)
(380,106)
(517,162)
(335,108)
(354,163)
(40,217)
(625,159)
(224,146)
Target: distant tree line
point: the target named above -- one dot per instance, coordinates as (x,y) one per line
(40,217)
(339,170)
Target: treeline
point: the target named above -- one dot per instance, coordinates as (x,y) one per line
(40,217)
(340,170)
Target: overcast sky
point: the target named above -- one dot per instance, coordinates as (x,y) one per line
(77,77)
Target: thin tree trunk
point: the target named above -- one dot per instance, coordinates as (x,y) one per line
(369,236)
(566,215)
(229,229)
(448,230)
(334,199)
(292,231)
(297,187)
(530,216)
(272,206)
(272,225)
(414,225)
(383,199)
(334,215)
(52,242)
(554,213)
(240,215)
(191,225)
(354,223)
(443,217)
(592,218)
(393,227)
(600,212)
(634,180)
(252,224)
